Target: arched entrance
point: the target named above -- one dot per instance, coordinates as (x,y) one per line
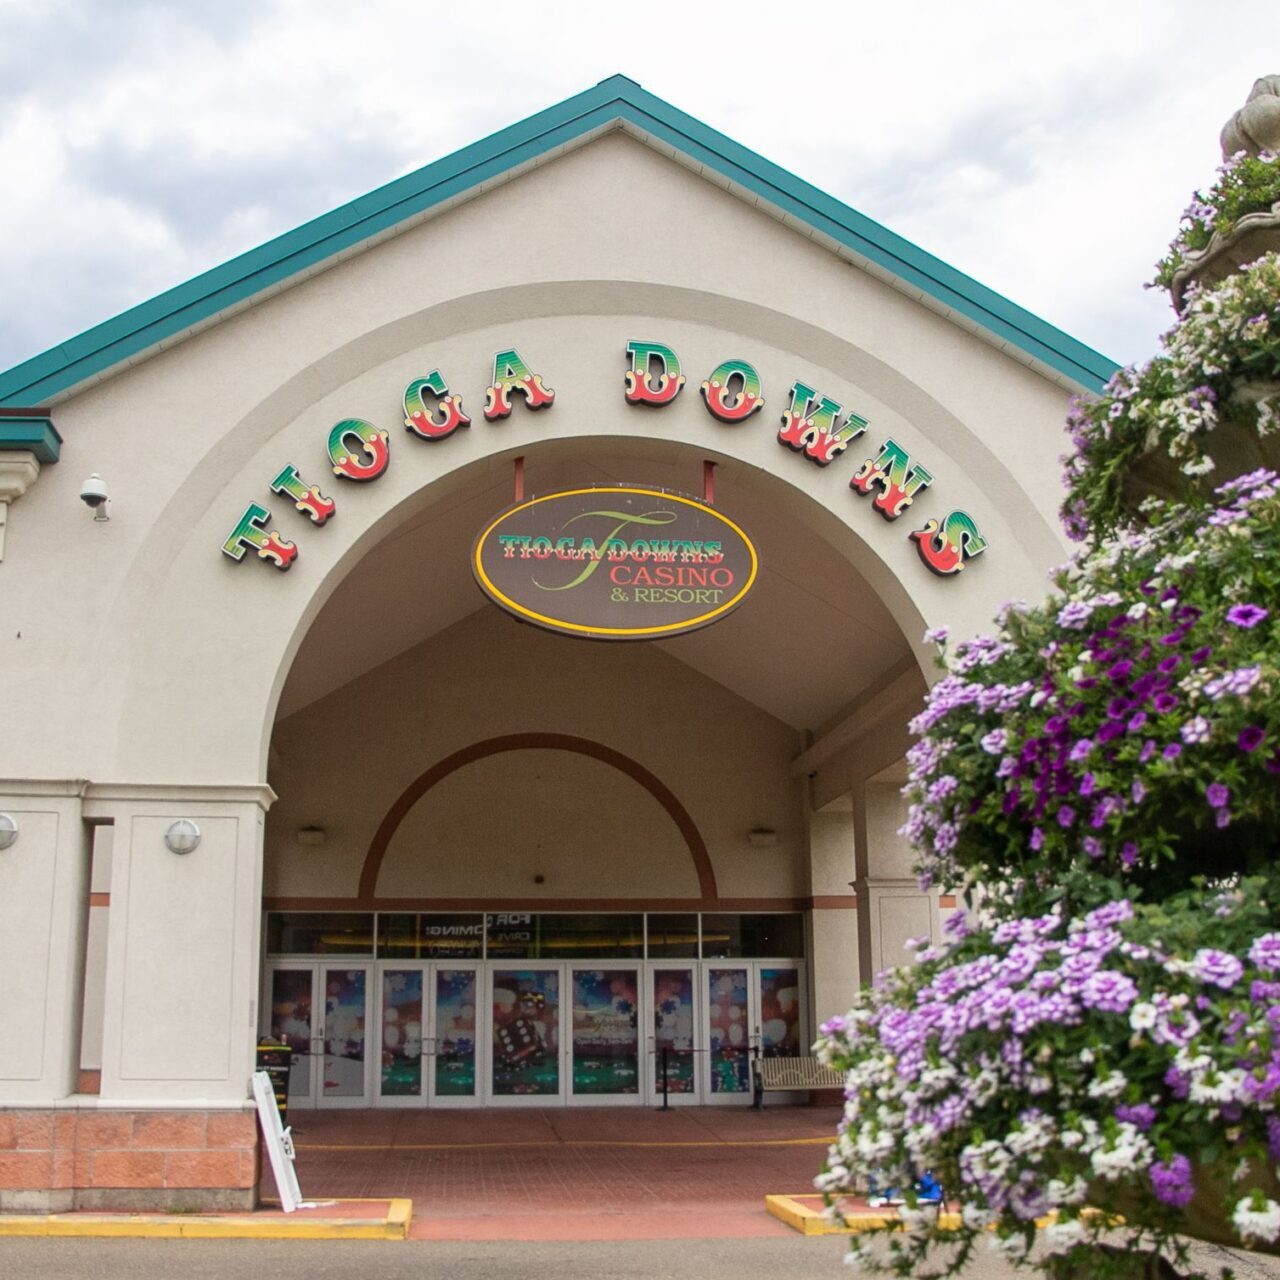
(610,835)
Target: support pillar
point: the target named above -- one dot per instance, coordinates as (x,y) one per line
(173,1126)
(834,922)
(891,906)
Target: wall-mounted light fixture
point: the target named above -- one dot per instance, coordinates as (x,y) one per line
(312,835)
(762,837)
(8,830)
(182,836)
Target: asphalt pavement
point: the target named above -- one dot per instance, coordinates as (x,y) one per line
(790,1258)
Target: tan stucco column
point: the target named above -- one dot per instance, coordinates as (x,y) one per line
(181,987)
(891,906)
(43,901)
(834,931)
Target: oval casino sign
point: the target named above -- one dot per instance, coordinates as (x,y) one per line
(615,563)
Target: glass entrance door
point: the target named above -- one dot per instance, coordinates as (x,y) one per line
(321,1011)
(673,1018)
(291,1020)
(453,1079)
(605,1049)
(525,1061)
(729,1025)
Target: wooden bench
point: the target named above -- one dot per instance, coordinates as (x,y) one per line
(783,1075)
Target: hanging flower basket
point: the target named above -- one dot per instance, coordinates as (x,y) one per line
(1233,446)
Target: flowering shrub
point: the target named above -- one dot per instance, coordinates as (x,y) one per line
(1123,737)
(1246,184)
(1118,745)
(1220,368)
(1039,1064)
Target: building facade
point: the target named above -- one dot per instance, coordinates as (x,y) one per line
(451,855)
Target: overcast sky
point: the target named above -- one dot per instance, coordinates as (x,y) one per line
(1045,148)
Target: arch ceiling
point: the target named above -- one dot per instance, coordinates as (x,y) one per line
(809,640)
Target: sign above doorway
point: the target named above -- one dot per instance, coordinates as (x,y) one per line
(814,426)
(615,563)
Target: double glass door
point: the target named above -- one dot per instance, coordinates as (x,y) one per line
(321,1011)
(751,1007)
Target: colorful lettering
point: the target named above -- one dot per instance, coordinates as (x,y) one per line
(419,417)
(726,403)
(307,498)
(370,441)
(510,373)
(945,547)
(898,478)
(251,534)
(811,424)
(643,386)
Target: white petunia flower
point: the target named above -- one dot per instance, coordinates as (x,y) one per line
(1256,1218)
(1062,1236)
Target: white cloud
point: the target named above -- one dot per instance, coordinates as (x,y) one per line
(1046,150)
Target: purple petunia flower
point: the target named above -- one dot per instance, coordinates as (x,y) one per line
(1172,751)
(1218,794)
(1265,952)
(1142,1116)
(1251,737)
(1217,967)
(1246,615)
(1066,815)
(1171,1181)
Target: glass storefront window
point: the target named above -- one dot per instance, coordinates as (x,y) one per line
(451,936)
(319,933)
(571,937)
(554,936)
(510,935)
(673,936)
(752,936)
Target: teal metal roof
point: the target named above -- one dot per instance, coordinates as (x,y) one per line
(59,370)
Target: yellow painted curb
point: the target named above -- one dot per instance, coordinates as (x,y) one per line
(809,1221)
(393,1226)
(803,1217)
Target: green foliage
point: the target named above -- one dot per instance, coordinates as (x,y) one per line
(1246,184)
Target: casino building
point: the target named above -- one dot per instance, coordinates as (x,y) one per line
(487,664)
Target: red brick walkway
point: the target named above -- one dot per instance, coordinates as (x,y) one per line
(568,1173)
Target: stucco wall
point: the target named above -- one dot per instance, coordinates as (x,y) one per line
(484,831)
(609,242)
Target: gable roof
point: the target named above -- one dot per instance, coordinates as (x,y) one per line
(614,103)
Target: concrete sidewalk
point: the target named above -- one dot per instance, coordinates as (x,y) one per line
(569,1173)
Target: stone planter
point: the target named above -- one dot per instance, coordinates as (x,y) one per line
(1204,1218)
(1235,447)
(1254,235)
